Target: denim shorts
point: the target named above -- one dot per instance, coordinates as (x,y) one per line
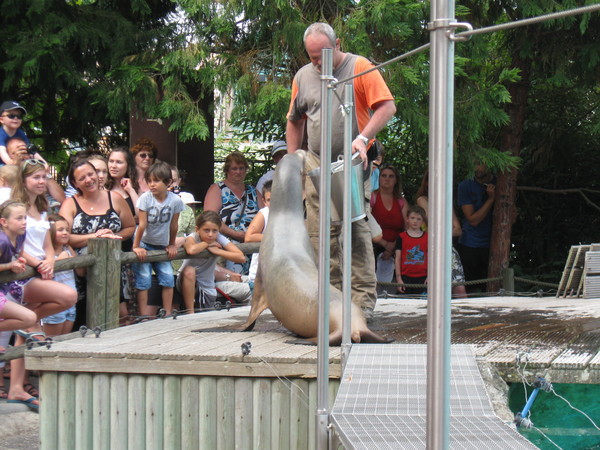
(61,317)
(143,271)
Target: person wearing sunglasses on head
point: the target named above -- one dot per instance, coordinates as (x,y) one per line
(17,151)
(11,118)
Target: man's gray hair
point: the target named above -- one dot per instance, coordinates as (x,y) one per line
(321,28)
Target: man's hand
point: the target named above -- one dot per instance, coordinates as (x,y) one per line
(490,189)
(358,145)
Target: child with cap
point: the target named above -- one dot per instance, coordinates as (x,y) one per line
(11,118)
(278,151)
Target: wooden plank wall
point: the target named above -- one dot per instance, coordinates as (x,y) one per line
(132,411)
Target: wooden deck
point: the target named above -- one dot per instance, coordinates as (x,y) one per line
(185,383)
(559,338)
(200,344)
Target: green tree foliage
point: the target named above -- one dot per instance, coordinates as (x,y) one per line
(57,59)
(555,65)
(81,67)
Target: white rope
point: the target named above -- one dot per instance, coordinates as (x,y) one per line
(572,407)
(542,433)
(283,379)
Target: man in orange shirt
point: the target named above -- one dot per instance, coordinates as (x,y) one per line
(374,107)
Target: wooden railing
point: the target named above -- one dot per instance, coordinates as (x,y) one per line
(103,263)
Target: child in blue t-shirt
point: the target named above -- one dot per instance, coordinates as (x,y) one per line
(157,229)
(11,118)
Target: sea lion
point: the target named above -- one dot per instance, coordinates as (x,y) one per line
(287,277)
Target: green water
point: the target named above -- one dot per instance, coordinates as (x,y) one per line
(568,428)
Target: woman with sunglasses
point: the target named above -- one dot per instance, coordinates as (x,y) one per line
(43,295)
(235,201)
(17,150)
(144,153)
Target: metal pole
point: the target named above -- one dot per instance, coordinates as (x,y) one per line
(322,414)
(347,223)
(440,206)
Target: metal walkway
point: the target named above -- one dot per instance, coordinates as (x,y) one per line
(381,402)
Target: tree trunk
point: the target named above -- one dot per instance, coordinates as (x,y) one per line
(506,185)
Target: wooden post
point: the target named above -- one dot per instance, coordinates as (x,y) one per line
(104,283)
(508,281)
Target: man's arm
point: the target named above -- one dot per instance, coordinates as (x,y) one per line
(55,190)
(294,134)
(476,217)
(382,113)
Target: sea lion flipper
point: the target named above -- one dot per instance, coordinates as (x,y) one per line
(335,340)
(259,304)
(370,337)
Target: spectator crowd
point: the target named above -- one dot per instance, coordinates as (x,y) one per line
(129,195)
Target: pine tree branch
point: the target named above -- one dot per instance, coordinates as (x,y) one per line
(580,191)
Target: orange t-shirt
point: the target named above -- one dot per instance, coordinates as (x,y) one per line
(369,89)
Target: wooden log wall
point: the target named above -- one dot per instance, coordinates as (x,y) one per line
(132,411)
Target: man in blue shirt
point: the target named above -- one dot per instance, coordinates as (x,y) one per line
(476,199)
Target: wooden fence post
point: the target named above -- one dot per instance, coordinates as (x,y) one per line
(508,281)
(104,283)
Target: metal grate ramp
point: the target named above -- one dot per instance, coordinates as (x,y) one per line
(381,402)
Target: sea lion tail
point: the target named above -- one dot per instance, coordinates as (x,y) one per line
(370,337)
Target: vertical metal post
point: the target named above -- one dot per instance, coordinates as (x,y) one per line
(322,414)
(440,207)
(347,222)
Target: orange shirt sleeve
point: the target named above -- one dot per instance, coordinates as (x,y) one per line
(369,89)
(294,95)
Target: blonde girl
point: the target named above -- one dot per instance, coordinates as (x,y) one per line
(60,232)
(12,235)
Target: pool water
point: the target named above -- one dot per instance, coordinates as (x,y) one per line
(568,428)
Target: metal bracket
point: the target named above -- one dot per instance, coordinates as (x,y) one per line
(440,23)
(451,25)
(345,110)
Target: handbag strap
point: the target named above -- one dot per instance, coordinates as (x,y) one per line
(237,221)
